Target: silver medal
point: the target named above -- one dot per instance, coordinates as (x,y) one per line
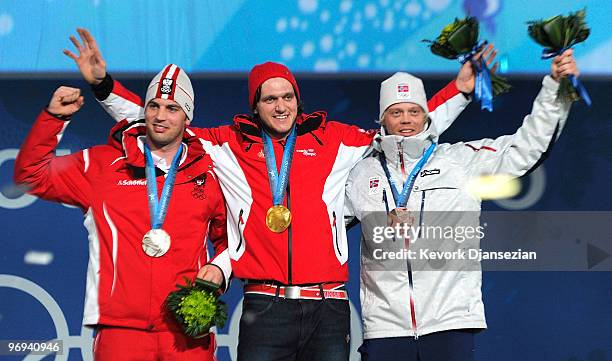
(156,243)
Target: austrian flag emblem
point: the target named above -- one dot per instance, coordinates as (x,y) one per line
(166,86)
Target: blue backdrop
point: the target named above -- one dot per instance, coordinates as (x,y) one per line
(531,315)
(307,35)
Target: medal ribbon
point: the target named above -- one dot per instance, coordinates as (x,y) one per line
(158,209)
(278,181)
(483,88)
(401,199)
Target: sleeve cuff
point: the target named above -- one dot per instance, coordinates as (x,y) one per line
(549,83)
(222,260)
(104,89)
(58,116)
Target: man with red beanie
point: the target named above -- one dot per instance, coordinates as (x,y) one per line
(141,244)
(283,175)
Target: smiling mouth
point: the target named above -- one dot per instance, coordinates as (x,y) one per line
(406,131)
(281,117)
(159,128)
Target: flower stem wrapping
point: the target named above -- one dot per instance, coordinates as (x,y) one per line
(459,40)
(196,307)
(558,34)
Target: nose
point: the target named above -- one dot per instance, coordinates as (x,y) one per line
(161,114)
(405,119)
(279,107)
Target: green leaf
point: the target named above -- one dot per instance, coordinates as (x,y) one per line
(461,40)
(196,307)
(554,28)
(558,33)
(456,38)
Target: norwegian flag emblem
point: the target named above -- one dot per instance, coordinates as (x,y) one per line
(374,185)
(403,91)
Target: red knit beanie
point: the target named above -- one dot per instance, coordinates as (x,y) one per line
(262,72)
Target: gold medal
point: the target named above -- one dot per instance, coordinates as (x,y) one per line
(278,218)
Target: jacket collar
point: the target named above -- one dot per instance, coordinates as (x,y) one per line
(411,148)
(124,136)
(250,127)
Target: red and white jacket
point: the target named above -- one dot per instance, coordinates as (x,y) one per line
(314,248)
(125,287)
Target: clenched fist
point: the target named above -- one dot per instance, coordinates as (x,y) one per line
(564,65)
(65,101)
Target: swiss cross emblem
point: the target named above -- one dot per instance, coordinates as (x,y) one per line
(166,87)
(403,91)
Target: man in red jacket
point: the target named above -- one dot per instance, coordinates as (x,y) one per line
(283,174)
(141,245)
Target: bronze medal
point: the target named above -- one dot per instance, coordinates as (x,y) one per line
(278,218)
(400,215)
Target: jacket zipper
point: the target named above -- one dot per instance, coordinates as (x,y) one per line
(289,242)
(336,234)
(410,280)
(400,155)
(412,305)
(240,221)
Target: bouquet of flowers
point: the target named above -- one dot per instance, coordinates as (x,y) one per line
(459,40)
(558,34)
(196,307)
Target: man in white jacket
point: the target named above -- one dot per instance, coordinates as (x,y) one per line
(413,309)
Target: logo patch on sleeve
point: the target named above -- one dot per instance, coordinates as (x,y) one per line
(374,185)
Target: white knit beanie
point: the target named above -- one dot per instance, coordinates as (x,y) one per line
(402,88)
(172,83)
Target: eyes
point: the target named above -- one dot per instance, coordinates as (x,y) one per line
(271,99)
(415,112)
(170,108)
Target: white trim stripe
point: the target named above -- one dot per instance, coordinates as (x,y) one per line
(86,160)
(91,311)
(61,132)
(118,159)
(169,75)
(237,193)
(113,229)
(120,108)
(333,194)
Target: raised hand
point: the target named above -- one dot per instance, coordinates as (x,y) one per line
(90,60)
(564,65)
(65,101)
(466,78)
